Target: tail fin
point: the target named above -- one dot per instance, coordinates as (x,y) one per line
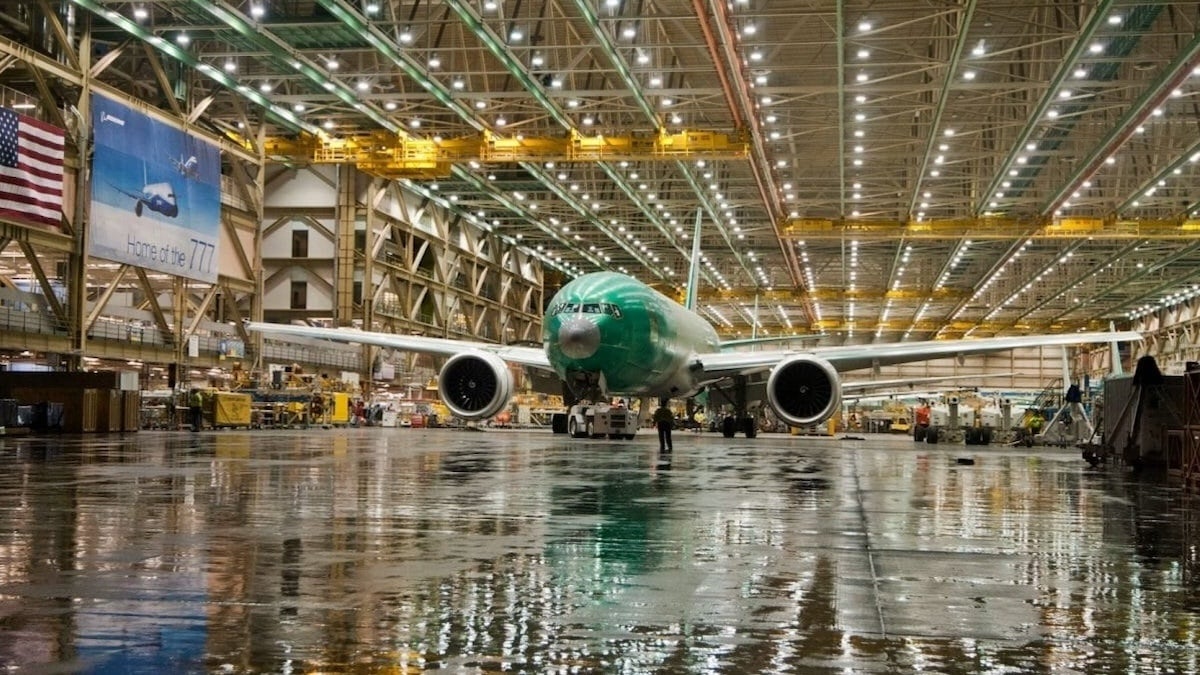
(1066,368)
(693,283)
(1116,353)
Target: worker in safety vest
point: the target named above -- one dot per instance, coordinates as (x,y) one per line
(196,408)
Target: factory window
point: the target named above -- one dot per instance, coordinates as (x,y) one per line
(299,295)
(299,243)
(357,293)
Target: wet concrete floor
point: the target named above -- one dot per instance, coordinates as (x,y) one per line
(403,551)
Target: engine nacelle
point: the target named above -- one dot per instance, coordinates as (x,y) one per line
(475,385)
(804,390)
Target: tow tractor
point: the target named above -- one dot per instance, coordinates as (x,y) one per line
(597,420)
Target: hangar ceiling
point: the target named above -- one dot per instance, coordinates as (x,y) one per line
(890,170)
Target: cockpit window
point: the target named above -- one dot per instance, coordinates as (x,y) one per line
(586,308)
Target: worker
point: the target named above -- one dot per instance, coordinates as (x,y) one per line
(921,415)
(196,407)
(1035,424)
(664,419)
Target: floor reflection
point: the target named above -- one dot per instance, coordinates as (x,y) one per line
(376,550)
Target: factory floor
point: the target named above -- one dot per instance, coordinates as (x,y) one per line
(454,551)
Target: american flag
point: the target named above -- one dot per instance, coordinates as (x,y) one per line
(31,170)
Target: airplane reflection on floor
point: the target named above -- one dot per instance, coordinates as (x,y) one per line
(403,550)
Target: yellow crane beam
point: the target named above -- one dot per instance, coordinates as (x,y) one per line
(814,229)
(749,293)
(958,329)
(893,327)
(390,156)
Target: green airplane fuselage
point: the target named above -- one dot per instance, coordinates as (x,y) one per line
(646,340)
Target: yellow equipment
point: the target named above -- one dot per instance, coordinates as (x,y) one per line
(230,409)
(340,412)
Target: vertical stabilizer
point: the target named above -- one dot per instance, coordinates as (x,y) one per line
(693,282)
(1066,368)
(1115,353)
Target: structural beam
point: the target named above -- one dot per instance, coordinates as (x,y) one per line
(343,240)
(993,228)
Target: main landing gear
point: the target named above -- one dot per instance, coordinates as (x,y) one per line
(732,424)
(740,420)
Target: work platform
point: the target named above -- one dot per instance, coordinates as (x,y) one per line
(409,550)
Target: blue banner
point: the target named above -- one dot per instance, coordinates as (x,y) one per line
(156,194)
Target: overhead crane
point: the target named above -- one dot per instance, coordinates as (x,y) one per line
(393,156)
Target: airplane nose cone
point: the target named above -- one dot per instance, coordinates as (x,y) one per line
(578,338)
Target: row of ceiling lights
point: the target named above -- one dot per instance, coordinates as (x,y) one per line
(863,78)
(760,267)
(980,50)
(331,64)
(938,161)
(1169,302)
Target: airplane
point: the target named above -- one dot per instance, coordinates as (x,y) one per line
(158,197)
(189,168)
(607,334)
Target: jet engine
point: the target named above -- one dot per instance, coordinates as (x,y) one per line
(475,385)
(804,390)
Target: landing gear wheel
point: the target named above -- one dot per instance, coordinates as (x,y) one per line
(918,434)
(931,435)
(748,427)
(728,427)
(558,423)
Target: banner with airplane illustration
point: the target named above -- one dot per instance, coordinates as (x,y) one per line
(156,193)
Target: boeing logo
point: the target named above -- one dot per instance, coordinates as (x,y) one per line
(105,117)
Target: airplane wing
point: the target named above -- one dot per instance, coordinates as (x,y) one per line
(531,357)
(125,192)
(756,342)
(718,366)
(899,394)
(871,386)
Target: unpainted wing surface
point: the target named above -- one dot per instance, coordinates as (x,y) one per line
(854,357)
(531,357)
(862,386)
